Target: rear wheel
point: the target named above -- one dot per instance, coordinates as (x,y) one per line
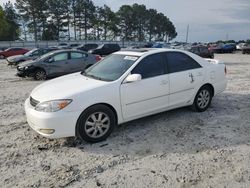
(40,75)
(202,99)
(96,123)
(2,57)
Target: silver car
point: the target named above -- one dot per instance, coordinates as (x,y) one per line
(56,63)
(32,54)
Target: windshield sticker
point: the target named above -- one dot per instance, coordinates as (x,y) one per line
(131,58)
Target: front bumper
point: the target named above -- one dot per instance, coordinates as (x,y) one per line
(63,123)
(22,72)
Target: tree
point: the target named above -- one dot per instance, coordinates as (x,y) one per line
(12,19)
(139,12)
(4,27)
(84,16)
(59,14)
(32,11)
(126,22)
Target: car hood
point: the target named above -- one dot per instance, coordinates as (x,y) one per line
(16,57)
(27,63)
(65,87)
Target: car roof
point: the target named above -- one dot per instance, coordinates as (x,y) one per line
(145,51)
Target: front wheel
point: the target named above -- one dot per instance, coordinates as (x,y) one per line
(40,75)
(202,99)
(96,123)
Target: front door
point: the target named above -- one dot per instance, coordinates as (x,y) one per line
(59,64)
(151,93)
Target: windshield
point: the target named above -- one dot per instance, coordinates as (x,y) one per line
(110,68)
(30,52)
(45,55)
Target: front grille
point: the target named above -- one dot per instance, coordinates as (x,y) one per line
(33,102)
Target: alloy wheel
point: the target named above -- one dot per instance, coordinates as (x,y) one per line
(97,125)
(203,99)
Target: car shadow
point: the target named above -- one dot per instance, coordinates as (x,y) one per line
(225,124)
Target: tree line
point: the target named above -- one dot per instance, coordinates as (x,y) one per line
(83,20)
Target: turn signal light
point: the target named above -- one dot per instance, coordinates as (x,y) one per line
(47,131)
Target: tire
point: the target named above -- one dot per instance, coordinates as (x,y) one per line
(202,99)
(40,75)
(2,57)
(93,120)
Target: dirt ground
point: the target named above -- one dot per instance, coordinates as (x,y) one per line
(179,148)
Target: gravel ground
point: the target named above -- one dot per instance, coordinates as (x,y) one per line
(179,148)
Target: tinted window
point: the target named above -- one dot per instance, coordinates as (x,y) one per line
(178,62)
(150,66)
(61,57)
(195,50)
(35,53)
(77,55)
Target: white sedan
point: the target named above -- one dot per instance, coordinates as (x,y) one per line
(122,87)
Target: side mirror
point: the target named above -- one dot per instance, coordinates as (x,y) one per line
(50,60)
(133,78)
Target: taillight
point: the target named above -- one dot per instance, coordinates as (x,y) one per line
(98,58)
(225,70)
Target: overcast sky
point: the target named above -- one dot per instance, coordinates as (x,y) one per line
(209,20)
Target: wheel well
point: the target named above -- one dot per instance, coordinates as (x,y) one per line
(210,86)
(39,68)
(105,104)
(89,65)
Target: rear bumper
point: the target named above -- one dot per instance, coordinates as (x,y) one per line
(219,87)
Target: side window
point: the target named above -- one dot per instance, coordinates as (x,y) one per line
(195,50)
(204,50)
(150,66)
(178,62)
(77,55)
(61,57)
(35,53)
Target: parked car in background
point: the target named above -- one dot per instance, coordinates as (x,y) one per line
(105,49)
(216,48)
(74,45)
(87,47)
(56,63)
(202,51)
(246,49)
(124,86)
(33,54)
(240,46)
(229,48)
(12,51)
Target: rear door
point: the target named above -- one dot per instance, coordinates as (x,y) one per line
(59,64)
(185,75)
(78,61)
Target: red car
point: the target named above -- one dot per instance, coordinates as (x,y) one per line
(12,51)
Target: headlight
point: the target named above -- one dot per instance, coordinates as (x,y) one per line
(53,106)
(25,68)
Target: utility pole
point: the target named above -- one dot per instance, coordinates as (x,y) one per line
(187,33)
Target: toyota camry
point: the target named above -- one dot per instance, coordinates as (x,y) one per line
(122,87)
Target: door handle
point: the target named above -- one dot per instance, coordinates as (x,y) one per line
(192,77)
